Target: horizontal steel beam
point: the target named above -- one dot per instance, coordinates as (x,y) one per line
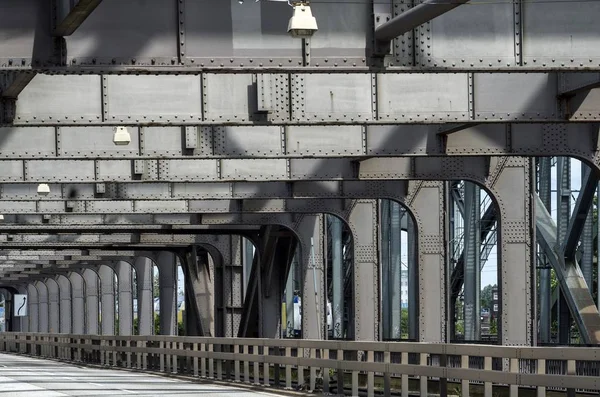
(246,99)
(153,147)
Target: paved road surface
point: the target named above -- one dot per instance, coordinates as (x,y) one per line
(30,377)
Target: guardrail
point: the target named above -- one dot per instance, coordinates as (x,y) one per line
(341,367)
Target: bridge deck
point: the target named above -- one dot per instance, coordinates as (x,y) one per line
(24,376)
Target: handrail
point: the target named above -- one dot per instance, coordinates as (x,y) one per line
(516,366)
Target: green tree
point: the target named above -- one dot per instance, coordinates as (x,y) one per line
(486,297)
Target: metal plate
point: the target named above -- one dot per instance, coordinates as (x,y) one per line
(94,141)
(201,190)
(188,170)
(401,139)
(20,20)
(247,141)
(407,97)
(321,97)
(60,99)
(515,96)
(561,32)
(154,98)
(254,170)
(345,32)
(113,170)
(162,141)
(27,141)
(324,140)
(226,33)
(109,33)
(229,97)
(11,171)
(59,170)
(479,35)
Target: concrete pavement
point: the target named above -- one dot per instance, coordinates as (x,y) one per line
(30,377)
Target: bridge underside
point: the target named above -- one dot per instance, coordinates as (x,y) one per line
(414,171)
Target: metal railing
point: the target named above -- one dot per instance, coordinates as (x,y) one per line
(341,367)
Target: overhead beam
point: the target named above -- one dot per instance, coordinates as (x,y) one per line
(75,16)
(12,83)
(580,213)
(577,295)
(412,18)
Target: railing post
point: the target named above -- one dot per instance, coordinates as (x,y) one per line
(464,363)
(246,365)
(313,371)
(325,372)
(386,375)
(211,361)
(236,363)
(266,367)
(195,360)
(340,373)
(370,375)
(571,370)
(175,358)
(423,378)
(514,368)
(487,386)
(541,369)
(161,358)
(256,364)
(203,348)
(300,353)
(288,370)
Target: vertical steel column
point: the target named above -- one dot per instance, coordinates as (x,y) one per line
(363,223)
(598,247)
(145,301)
(78,303)
(167,285)
(34,308)
(587,240)
(125,285)
(107,286)
(64,292)
(395,279)
(384,227)
(44,307)
(235,281)
(472,263)
(289,301)
(413,281)
(248,258)
(53,305)
(511,185)
(544,191)
(563,200)
(92,302)
(428,204)
(337,305)
(311,260)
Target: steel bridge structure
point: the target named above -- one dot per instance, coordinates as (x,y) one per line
(370,171)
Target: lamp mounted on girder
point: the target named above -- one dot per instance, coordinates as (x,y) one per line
(43,189)
(121,136)
(302,24)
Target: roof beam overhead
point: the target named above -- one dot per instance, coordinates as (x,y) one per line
(12,83)
(412,18)
(71,14)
